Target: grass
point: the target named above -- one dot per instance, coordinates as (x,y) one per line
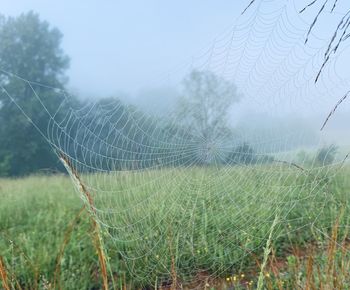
(47,240)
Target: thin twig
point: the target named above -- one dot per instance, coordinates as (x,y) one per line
(250,4)
(314,21)
(344,160)
(334,109)
(290,164)
(334,5)
(307,6)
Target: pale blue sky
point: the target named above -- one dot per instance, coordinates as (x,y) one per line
(121,45)
(126,46)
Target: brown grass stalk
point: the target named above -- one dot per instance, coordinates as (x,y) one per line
(96,229)
(331,113)
(3,274)
(27,260)
(320,286)
(274,267)
(310,285)
(173,272)
(332,246)
(66,239)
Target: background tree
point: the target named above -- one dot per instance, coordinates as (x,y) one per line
(29,48)
(326,155)
(205,104)
(203,109)
(242,154)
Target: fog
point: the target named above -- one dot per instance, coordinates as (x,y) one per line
(140,52)
(123,45)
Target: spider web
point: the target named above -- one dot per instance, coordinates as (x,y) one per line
(166,198)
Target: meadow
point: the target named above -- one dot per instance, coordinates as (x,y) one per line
(200,232)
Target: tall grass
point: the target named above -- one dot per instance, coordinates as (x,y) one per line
(96,228)
(46,242)
(3,275)
(267,251)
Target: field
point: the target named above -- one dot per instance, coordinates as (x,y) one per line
(198,229)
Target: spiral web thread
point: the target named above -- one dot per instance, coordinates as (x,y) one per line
(159,207)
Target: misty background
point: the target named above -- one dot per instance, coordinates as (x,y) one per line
(140,53)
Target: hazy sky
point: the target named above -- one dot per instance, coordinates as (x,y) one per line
(121,45)
(126,46)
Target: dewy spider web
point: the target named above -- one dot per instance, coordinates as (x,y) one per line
(167,199)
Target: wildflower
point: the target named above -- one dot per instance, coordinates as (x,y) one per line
(242,275)
(267,275)
(228,279)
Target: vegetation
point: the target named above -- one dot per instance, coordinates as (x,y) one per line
(203,110)
(205,105)
(41,215)
(29,48)
(216,216)
(326,155)
(244,154)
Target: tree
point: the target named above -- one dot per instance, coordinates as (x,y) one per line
(205,104)
(326,155)
(242,154)
(30,49)
(204,110)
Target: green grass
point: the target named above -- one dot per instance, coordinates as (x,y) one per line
(34,214)
(185,220)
